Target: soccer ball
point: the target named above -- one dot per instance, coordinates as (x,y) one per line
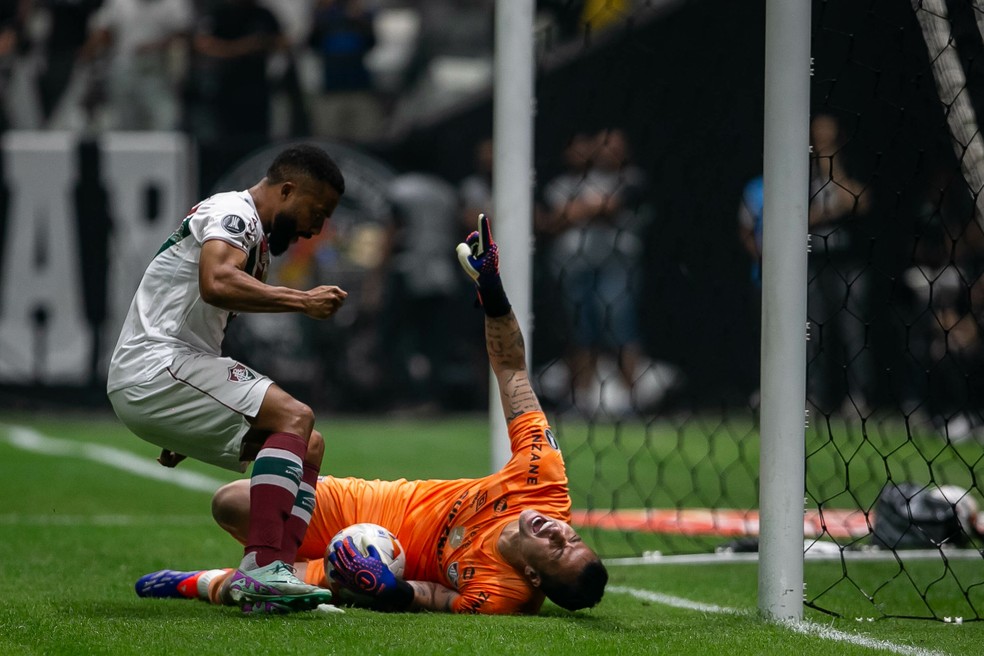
(389,548)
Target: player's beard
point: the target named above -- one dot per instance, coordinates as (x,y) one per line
(282,233)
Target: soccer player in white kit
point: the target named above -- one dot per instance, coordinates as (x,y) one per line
(170,385)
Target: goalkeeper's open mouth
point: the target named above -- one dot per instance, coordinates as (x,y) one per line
(535,523)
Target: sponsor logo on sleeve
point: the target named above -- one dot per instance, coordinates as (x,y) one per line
(552,439)
(501,505)
(536,448)
(480,498)
(238,373)
(453,573)
(234,225)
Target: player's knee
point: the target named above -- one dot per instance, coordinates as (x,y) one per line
(315,449)
(282,413)
(302,416)
(230,508)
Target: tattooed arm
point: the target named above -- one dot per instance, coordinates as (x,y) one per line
(479,257)
(507,354)
(432,596)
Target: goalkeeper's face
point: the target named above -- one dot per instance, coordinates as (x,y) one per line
(304,209)
(551,547)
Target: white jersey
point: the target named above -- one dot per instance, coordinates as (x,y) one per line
(168,316)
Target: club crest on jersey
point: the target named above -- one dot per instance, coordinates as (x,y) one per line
(234,225)
(240,374)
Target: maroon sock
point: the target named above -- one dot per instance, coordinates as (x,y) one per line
(300,515)
(272,489)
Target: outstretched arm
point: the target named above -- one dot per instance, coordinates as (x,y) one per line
(479,257)
(507,355)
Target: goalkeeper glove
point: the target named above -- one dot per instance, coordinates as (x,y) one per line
(368,575)
(479,257)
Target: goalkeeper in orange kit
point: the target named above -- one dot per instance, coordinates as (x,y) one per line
(497,544)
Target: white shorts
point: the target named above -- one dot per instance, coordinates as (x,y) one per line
(197,407)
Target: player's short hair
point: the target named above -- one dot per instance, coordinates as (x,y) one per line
(584,592)
(306,160)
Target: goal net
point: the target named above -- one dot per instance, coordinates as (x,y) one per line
(647,288)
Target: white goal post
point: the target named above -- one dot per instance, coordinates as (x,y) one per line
(784,294)
(512,213)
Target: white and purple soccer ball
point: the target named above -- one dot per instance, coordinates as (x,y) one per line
(390,550)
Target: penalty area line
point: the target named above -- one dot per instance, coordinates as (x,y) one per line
(28,439)
(802,627)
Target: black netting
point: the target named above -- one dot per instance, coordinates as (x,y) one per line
(647,287)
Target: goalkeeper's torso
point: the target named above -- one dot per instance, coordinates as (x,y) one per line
(449,529)
(458,545)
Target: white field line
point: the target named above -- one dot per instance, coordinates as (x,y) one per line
(675,602)
(31,440)
(805,628)
(17,519)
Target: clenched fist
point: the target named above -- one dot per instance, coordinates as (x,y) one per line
(324,301)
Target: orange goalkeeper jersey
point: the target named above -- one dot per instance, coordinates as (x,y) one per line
(450,529)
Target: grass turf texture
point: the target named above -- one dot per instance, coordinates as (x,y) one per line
(76,535)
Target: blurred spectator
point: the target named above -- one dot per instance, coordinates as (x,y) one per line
(289,116)
(750,237)
(945,378)
(12,15)
(417,332)
(450,63)
(136,36)
(564,15)
(750,226)
(594,256)
(475,191)
(471,21)
(67,30)
(347,105)
(841,370)
(233,43)
(600,14)
(397,31)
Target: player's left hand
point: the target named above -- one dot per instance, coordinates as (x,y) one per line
(479,255)
(170,458)
(367,575)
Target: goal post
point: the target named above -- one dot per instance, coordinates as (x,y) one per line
(512,138)
(784,284)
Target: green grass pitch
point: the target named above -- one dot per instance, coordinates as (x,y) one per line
(76,533)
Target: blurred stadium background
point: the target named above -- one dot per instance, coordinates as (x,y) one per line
(653,110)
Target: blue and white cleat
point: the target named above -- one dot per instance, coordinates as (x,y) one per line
(169,584)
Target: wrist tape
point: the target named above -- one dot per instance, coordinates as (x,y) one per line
(494,300)
(395,599)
